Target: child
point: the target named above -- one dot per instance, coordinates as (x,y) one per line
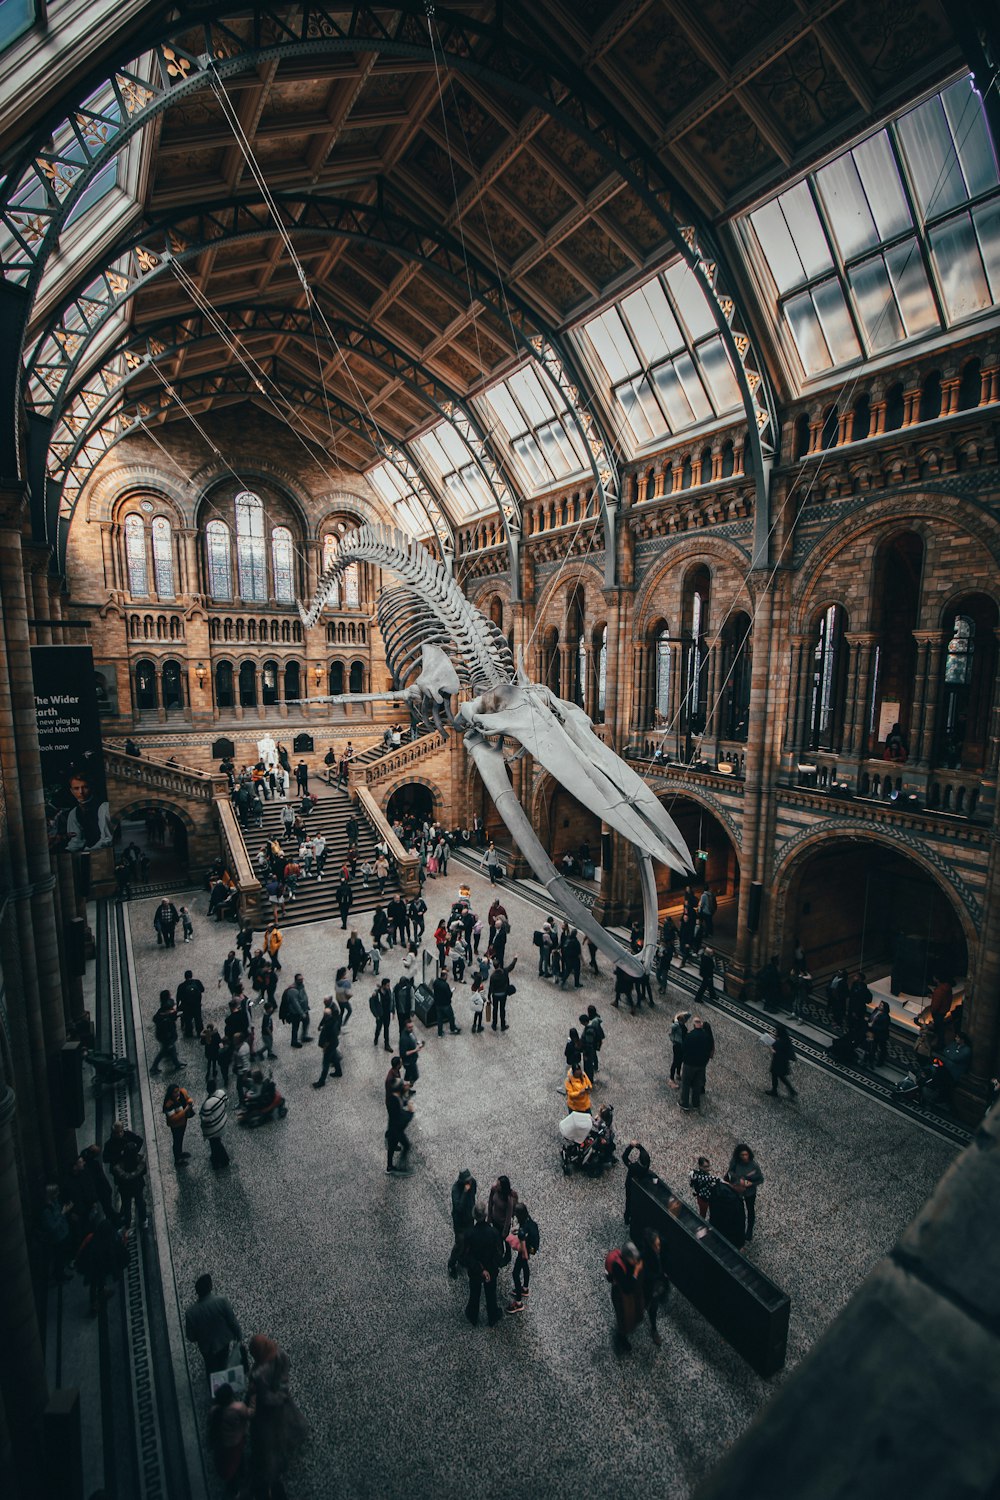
(267,1030)
(367,871)
(478,1001)
(187,924)
(702,1182)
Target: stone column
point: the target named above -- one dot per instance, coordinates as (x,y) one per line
(856,724)
(798,694)
(754,819)
(190,580)
(989,385)
(925,696)
(37,593)
(28,833)
(23,1385)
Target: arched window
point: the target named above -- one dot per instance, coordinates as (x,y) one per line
(825,707)
(173,692)
(958,662)
(146,697)
(163,557)
(135,555)
(696,686)
(581,672)
(357,679)
(292,689)
(282,561)
(251,557)
(224,685)
(352,586)
(662,701)
(220,565)
(248,685)
(602,673)
(269,683)
(336,677)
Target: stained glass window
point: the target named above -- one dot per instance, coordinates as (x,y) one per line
(352,586)
(163,557)
(825,676)
(895,238)
(135,555)
(602,672)
(958,662)
(283,563)
(330,544)
(251,556)
(220,567)
(663,674)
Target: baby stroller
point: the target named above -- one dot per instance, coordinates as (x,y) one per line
(109,1071)
(923,1084)
(588,1143)
(261,1105)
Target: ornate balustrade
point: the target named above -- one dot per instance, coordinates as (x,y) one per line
(157,776)
(393,761)
(407,862)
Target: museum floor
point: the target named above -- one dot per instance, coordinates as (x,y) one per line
(345,1266)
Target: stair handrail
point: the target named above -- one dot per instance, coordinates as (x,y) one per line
(407,861)
(202,786)
(393,760)
(239,863)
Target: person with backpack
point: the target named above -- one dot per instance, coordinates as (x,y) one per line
(403,1000)
(707,907)
(528,1241)
(328,1037)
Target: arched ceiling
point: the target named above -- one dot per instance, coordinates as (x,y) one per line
(532,158)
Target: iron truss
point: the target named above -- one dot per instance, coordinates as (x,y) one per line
(173,59)
(152,252)
(99,398)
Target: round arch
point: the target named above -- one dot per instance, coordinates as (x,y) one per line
(409,781)
(845,836)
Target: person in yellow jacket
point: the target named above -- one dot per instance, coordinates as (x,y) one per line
(273,939)
(578,1088)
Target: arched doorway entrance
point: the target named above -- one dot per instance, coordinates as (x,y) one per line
(716,864)
(863,905)
(154,842)
(412,800)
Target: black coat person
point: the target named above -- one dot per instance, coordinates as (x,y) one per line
(345,900)
(483,1252)
(165,923)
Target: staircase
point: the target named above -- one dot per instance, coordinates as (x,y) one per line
(314,901)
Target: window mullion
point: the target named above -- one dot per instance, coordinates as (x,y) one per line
(919,229)
(839,271)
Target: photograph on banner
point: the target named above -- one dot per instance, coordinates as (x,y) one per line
(69,743)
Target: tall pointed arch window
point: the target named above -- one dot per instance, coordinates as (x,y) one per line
(163,557)
(827,673)
(958,662)
(602,673)
(251,555)
(220,565)
(662,701)
(282,561)
(135,555)
(352,586)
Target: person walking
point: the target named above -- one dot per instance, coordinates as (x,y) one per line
(211,1323)
(178,1106)
(483,1251)
(212,1117)
(357,955)
(726,1211)
(189,1004)
(403,1000)
(697,1049)
(782,1053)
(623,1269)
(267,1030)
(500,988)
(328,1037)
(165,1030)
(678,1032)
(443,996)
(636,1161)
(129,1174)
(706,971)
(294,1008)
(653,1280)
(344,896)
(463,1215)
(491,860)
(528,1241)
(410,1047)
(380,1006)
(745,1173)
(165,922)
(400,1114)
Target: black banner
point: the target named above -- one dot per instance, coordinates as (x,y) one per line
(69,739)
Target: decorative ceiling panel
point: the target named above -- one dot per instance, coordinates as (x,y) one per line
(731,148)
(804,92)
(657,54)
